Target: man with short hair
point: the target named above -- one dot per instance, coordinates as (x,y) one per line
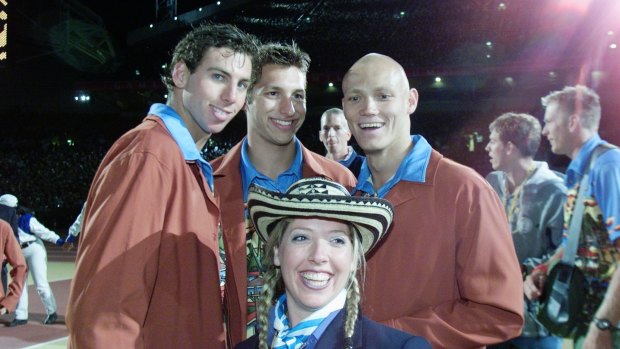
(147,269)
(272,157)
(532,196)
(572,118)
(335,136)
(447,270)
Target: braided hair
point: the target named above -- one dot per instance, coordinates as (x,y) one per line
(274,287)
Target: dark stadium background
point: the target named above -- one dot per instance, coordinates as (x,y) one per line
(492,57)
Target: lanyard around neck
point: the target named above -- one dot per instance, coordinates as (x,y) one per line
(517,194)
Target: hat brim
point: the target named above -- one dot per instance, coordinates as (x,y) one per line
(371,217)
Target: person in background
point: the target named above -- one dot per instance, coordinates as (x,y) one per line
(316,236)
(31,233)
(74,230)
(335,136)
(11,252)
(447,270)
(147,264)
(572,118)
(270,156)
(533,197)
(8,213)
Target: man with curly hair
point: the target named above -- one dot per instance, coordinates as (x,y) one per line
(147,264)
(532,196)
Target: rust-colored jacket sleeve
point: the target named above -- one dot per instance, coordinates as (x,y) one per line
(146,270)
(447,269)
(13,254)
(487,306)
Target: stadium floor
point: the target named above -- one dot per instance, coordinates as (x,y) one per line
(34,334)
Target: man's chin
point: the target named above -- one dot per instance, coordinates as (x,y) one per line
(333,150)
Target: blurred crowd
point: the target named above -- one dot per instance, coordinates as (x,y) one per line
(52,176)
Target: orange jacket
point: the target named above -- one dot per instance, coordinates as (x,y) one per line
(147,267)
(447,269)
(10,249)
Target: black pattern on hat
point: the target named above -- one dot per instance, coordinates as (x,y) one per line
(320,198)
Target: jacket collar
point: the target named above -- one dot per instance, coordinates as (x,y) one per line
(179,132)
(413,168)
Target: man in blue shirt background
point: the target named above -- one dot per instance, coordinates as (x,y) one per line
(572,119)
(335,135)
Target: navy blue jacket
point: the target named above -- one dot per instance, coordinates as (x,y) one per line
(354,163)
(368,334)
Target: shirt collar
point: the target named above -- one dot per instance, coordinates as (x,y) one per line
(249,173)
(323,326)
(411,169)
(177,128)
(316,335)
(351,154)
(576,168)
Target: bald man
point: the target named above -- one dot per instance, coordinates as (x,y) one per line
(335,135)
(447,270)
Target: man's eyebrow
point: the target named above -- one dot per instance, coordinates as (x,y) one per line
(227,73)
(272,87)
(221,70)
(352,90)
(383,89)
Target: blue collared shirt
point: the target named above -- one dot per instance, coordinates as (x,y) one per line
(412,169)
(604,180)
(351,154)
(183,138)
(250,175)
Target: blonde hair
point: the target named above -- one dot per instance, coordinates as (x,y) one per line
(578,99)
(274,287)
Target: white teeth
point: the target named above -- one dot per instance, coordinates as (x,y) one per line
(316,284)
(219,111)
(316,280)
(371,125)
(283,122)
(315,276)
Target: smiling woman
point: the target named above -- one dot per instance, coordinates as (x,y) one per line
(316,258)
(316,236)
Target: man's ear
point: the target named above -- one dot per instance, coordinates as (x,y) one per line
(247,103)
(348,135)
(180,74)
(349,124)
(509,147)
(574,122)
(412,101)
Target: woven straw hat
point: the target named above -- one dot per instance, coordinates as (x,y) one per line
(320,198)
